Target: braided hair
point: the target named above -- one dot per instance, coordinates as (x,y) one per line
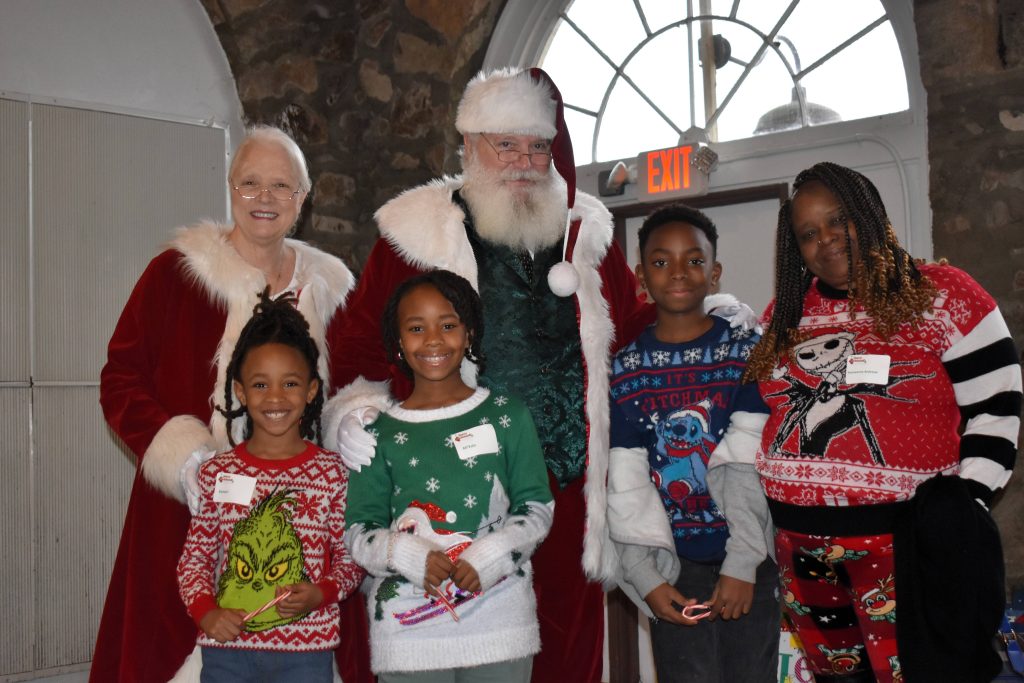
(275,321)
(885,279)
(463,298)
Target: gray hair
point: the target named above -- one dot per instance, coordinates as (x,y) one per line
(274,135)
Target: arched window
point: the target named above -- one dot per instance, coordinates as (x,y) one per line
(641,74)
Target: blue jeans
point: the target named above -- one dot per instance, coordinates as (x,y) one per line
(227,665)
(719,651)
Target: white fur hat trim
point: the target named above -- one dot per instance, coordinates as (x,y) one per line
(506,101)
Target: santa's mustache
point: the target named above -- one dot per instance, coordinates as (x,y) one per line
(521,174)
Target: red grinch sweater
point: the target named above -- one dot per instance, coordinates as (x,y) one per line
(838,435)
(236,555)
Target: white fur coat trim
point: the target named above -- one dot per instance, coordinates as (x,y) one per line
(170,448)
(359,394)
(403,222)
(213,263)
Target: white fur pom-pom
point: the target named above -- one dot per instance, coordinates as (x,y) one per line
(563,279)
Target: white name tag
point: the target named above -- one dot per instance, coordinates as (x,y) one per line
(867,368)
(476,441)
(233,488)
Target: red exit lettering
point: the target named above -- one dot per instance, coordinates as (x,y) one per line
(668,170)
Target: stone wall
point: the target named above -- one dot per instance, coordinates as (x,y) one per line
(972,65)
(368,88)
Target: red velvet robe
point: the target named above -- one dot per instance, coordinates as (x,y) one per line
(156,389)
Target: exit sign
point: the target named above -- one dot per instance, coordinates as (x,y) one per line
(668,174)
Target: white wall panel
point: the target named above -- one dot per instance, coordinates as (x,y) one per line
(108,189)
(16,530)
(14,241)
(81,488)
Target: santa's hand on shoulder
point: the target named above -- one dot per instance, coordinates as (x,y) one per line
(356,446)
(732,309)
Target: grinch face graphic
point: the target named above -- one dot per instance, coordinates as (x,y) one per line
(264,553)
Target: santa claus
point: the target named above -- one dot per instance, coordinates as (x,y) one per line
(558,299)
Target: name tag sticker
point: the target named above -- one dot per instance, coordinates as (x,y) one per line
(476,441)
(867,368)
(233,488)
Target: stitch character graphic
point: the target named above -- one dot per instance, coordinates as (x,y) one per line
(832,407)
(879,602)
(684,443)
(264,553)
(844,660)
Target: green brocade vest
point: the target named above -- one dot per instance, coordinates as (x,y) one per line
(532,347)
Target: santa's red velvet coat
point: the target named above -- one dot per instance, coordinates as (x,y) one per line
(164,371)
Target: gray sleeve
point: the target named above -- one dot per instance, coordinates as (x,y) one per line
(736,488)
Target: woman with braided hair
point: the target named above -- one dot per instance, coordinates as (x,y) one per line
(895,399)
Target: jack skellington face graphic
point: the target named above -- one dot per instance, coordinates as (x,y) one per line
(830,408)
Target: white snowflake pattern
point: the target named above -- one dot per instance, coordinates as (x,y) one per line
(691,355)
(470,501)
(372,431)
(448,443)
(661,357)
(398,489)
(470,462)
(958,311)
(413,462)
(485,420)
(488,476)
(500,400)
(401,438)
(632,360)
(721,352)
(504,420)
(433,485)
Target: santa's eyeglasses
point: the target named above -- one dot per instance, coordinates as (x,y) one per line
(509,152)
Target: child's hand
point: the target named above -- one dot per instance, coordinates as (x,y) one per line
(732,598)
(465,577)
(222,624)
(660,601)
(305,597)
(438,569)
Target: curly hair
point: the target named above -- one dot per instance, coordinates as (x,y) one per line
(885,279)
(463,298)
(678,213)
(275,321)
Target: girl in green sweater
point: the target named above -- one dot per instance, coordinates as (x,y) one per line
(455,502)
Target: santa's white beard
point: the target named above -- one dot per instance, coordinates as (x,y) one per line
(532,220)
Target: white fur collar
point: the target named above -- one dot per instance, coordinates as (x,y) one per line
(235,285)
(426,228)
(214,263)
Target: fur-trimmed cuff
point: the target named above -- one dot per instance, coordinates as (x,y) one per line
(358,394)
(170,448)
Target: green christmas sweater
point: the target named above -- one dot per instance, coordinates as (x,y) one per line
(469,480)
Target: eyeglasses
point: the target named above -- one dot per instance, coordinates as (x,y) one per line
(279,191)
(512,154)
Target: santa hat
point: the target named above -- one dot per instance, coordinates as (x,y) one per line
(517,102)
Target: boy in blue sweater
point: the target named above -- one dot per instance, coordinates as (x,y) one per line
(681,417)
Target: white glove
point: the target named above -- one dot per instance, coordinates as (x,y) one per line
(189,477)
(356,445)
(732,309)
